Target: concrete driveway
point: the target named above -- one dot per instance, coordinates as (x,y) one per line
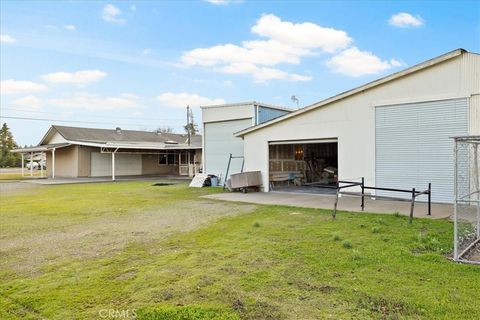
(345,203)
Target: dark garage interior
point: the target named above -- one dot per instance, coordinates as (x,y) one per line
(303,166)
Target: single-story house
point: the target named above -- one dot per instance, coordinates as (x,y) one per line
(395,131)
(220,122)
(87,152)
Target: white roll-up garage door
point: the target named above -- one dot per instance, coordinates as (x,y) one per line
(125,164)
(413,145)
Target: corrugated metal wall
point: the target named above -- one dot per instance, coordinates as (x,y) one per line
(266,114)
(413,145)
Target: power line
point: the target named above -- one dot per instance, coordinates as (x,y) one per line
(121,118)
(75,121)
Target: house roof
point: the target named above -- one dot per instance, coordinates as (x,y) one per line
(121,138)
(43,147)
(369,85)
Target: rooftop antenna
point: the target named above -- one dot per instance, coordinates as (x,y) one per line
(295,100)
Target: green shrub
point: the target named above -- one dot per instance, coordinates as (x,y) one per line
(256,225)
(375,230)
(336,237)
(191,312)
(346,244)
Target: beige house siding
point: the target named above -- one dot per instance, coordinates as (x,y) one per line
(66,162)
(151,166)
(84,160)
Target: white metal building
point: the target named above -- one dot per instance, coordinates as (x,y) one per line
(393,131)
(220,122)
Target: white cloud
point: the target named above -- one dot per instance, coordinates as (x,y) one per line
(20,87)
(146,52)
(89,101)
(80,77)
(301,35)
(183,99)
(70,27)
(5,38)
(221,2)
(133,8)
(405,20)
(29,102)
(110,13)
(285,42)
(355,63)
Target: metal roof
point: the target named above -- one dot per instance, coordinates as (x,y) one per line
(346,94)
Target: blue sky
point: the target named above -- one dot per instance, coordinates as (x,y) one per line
(137,64)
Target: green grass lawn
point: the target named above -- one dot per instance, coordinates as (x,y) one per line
(82,251)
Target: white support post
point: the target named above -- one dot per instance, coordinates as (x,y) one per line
(23,164)
(53,163)
(31,164)
(41,164)
(113,166)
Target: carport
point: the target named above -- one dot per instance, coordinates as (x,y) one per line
(39,150)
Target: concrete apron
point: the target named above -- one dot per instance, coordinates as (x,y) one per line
(345,203)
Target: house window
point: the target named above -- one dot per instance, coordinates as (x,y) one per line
(167,158)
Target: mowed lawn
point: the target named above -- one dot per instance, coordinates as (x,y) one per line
(130,249)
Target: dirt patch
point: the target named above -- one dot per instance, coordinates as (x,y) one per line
(107,235)
(473,254)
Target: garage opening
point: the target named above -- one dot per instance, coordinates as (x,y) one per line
(303,166)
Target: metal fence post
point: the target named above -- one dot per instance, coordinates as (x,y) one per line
(363,193)
(429,198)
(412,206)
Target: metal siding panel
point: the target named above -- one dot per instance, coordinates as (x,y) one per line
(413,145)
(220,142)
(266,114)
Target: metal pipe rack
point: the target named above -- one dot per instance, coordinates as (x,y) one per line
(348,184)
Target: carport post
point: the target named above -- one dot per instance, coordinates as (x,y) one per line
(23,163)
(53,163)
(113,166)
(41,165)
(31,164)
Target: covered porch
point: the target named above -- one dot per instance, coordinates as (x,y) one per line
(40,152)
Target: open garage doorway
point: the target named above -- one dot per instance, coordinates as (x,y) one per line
(305,166)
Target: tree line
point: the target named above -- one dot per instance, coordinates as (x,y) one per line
(7,143)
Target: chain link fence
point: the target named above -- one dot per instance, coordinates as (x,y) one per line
(467,199)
